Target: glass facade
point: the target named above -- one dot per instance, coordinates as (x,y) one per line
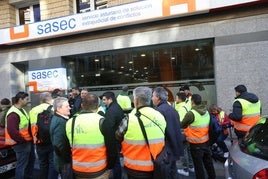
(160,63)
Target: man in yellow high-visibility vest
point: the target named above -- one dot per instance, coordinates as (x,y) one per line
(246,111)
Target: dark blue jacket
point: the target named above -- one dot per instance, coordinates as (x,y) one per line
(173,136)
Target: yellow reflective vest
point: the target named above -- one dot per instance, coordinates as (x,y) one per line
(182,108)
(250,115)
(124,101)
(23,126)
(197,131)
(134,148)
(88,148)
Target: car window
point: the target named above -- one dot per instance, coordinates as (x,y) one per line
(256,141)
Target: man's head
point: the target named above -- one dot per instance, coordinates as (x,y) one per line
(21,99)
(180,97)
(56,93)
(75,91)
(196,99)
(90,103)
(159,94)
(5,103)
(240,89)
(142,96)
(125,89)
(46,97)
(83,93)
(186,89)
(108,97)
(61,106)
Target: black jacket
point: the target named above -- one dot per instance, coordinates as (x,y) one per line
(113,116)
(236,115)
(173,136)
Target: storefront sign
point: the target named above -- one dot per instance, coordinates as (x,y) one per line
(47,79)
(132,13)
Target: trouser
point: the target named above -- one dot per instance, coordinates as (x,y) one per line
(220,142)
(188,161)
(45,156)
(25,160)
(201,155)
(105,175)
(116,172)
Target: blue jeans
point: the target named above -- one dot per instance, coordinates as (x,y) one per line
(25,160)
(45,155)
(220,142)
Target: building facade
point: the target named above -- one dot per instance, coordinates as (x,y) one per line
(103,45)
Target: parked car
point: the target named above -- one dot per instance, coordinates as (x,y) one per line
(249,158)
(7,155)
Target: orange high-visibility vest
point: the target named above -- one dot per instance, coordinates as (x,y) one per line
(23,126)
(250,115)
(197,132)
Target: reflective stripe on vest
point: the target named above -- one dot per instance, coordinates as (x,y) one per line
(134,148)
(197,132)
(23,126)
(250,115)
(88,150)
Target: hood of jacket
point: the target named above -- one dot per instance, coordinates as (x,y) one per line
(249,97)
(201,109)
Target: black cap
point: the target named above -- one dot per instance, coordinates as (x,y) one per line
(240,89)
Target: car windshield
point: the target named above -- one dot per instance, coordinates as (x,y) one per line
(256,141)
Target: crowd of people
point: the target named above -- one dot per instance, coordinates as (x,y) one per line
(90,134)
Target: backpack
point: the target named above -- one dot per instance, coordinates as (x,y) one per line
(43,123)
(214,130)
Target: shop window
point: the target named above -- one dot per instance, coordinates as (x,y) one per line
(29,14)
(160,63)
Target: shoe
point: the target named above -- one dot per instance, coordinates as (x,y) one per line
(183,172)
(226,154)
(191,169)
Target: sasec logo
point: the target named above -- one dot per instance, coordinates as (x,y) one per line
(56,26)
(44,74)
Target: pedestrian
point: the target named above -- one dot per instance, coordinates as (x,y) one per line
(186,90)
(88,147)
(62,149)
(18,135)
(173,136)
(124,100)
(83,93)
(77,101)
(56,93)
(225,123)
(246,111)
(182,108)
(113,116)
(180,105)
(5,105)
(44,149)
(137,154)
(196,127)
